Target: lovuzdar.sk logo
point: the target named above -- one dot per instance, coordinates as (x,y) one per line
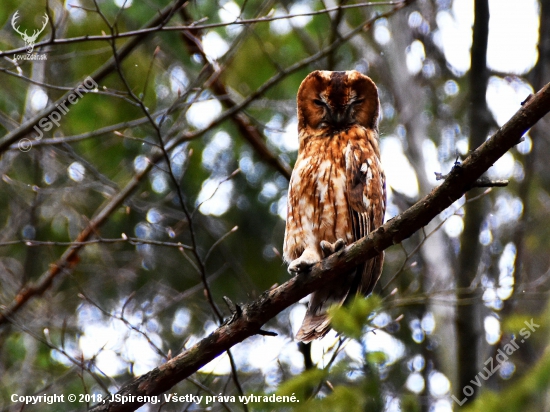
(29,40)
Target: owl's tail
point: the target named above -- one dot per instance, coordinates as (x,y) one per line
(316,323)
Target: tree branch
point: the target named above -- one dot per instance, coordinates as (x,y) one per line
(195,26)
(240,119)
(253,316)
(24,129)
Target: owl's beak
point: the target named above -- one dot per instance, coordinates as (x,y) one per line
(338,116)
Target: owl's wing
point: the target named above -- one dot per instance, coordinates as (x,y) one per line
(366,204)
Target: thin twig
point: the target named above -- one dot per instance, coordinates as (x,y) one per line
(149,30)
(132,240)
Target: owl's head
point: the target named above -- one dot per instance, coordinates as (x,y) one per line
(337,100)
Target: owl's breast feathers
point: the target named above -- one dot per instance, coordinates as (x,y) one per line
(336,190)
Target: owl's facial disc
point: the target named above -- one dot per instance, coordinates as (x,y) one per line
(336,101)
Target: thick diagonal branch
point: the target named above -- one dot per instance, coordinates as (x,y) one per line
(253,316)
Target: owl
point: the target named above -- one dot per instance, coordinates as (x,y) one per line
(337,191)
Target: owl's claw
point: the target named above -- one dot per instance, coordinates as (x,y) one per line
(311,257)
(330,248)
(298,266)
(303,263)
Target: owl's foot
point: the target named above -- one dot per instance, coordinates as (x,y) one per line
(304,262)
(330,248)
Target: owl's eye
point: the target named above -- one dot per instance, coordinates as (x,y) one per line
(319,103)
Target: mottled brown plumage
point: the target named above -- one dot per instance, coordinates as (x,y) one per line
(337,191)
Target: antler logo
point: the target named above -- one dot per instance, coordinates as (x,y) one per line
(29,40)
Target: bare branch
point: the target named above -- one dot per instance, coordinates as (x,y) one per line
(197,26)
(241,120)
(123,239)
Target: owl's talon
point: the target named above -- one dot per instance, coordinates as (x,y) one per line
(303,263)
(330,248)
(296,267)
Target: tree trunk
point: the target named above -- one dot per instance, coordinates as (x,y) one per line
(469,325)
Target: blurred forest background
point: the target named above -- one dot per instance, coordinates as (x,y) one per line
(164,190)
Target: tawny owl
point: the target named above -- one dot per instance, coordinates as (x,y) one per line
(337,191)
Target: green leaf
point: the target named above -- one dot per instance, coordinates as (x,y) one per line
(303,384)
(376,357)
(350,319)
